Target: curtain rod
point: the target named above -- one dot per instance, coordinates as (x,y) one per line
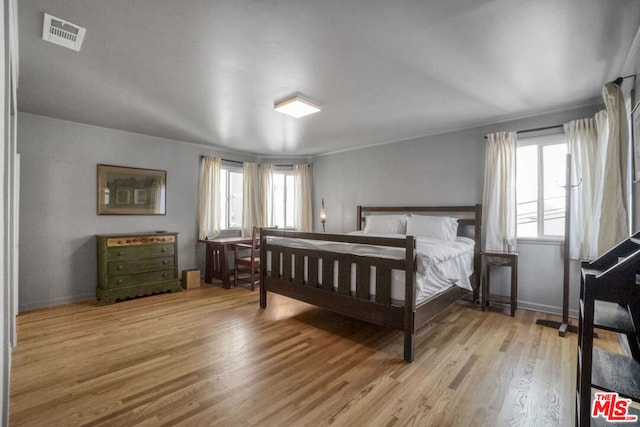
(232,161)
(225,160)
(536,129)
(619,80)
(239,162)
(539,129)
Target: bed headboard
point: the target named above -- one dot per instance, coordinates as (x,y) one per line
(469,217)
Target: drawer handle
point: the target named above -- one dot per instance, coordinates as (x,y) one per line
(165,275)
(121,267)
(164,249)
(120,253)
(165,262)
(119,281)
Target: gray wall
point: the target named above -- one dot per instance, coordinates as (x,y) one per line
(58,198)
(58,203)
(445,169)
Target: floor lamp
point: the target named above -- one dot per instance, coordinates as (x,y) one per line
(565,325)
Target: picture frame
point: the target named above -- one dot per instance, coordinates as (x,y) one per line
(635,137)
(126,190)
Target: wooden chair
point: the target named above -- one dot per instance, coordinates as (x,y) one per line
(248,264)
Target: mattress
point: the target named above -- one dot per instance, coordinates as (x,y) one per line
(440,264)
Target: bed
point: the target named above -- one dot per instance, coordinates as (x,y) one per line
(364,274)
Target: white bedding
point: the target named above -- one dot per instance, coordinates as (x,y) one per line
(440,264)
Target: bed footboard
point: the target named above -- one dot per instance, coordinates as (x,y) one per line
(341,282)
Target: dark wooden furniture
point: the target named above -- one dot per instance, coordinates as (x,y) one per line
(565,325)
(136,264)
(285,274)
(248,265)
(609,299)
(217,258)
(504,259)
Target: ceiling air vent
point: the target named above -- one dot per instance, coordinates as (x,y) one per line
(61,32)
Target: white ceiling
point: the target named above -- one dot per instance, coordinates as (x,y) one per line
(209,71)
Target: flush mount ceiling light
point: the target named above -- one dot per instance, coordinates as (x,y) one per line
(296,106)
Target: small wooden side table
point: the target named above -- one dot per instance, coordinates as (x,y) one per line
(505,259)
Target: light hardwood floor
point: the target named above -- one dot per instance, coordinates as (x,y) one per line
(211,356)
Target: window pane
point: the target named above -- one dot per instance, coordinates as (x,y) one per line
(235,199)
(223,198)
(289,201)
(527,191)
(554,165)
(279,199)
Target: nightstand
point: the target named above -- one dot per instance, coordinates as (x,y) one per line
(504,259)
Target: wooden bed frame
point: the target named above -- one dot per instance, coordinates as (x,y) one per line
(277,277)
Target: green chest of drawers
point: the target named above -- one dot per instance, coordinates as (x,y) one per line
(136,264)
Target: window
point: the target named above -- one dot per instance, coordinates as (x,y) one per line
(283,198)
(230,197)
(540,193)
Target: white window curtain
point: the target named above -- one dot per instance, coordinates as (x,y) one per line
(302,215)
(250,198)
(209,198)
(586,139)
(266,187)
(499,200)
(612,200)
(602,129)
(582,143)
(600,159)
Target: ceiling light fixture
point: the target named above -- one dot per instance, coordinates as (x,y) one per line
(296,106)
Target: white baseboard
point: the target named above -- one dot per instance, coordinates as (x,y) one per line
(543,308)
(56,301)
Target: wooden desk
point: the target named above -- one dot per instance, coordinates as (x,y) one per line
(217,258)
(506,259)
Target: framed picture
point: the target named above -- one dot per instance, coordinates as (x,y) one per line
(635,137)
(131,191)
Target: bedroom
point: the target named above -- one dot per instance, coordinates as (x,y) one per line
(61,143)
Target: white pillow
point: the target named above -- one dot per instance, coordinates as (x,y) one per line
(436,227)
(386,224)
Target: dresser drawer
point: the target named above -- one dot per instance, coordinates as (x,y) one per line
(118,268)
(508,258)
(142,278)
(137,252)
